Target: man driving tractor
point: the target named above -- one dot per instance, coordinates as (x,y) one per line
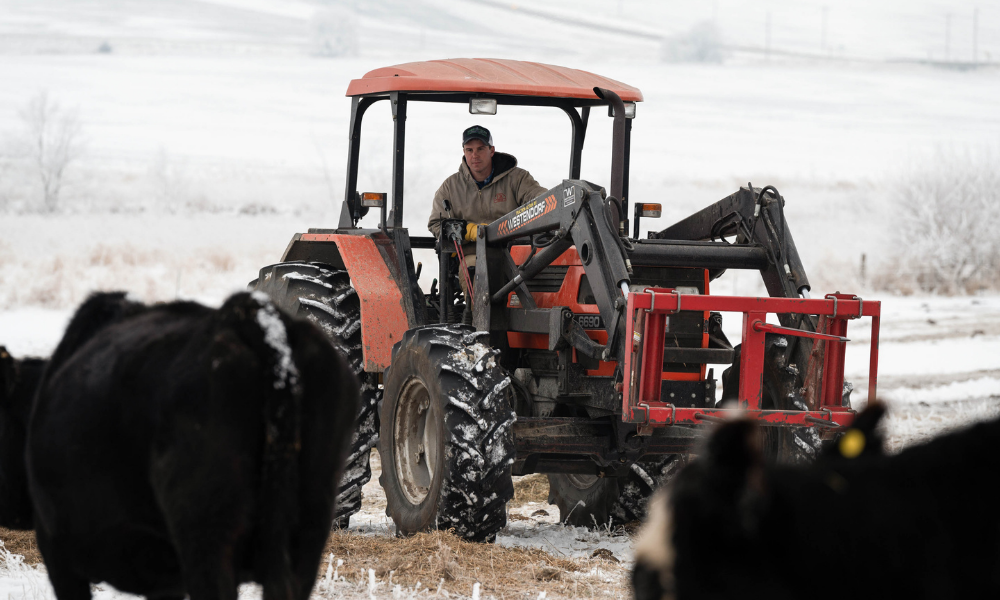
(487,186)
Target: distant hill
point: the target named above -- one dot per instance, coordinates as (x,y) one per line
(555,30)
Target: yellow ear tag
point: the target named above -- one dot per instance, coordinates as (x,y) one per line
(852,443)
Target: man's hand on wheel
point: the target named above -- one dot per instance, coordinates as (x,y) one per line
(472,231)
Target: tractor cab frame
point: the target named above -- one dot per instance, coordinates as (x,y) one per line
(456,81)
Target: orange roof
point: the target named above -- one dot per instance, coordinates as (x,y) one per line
(489,76)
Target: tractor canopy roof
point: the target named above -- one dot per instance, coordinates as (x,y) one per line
(489,76)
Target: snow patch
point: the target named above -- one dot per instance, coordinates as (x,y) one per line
(645,476)
(463,373)
(319,305)
(983,387)
(469,410)
(471,357)
(276,337)
(296,276)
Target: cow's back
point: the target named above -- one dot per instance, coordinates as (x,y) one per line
(146,446)
(92,444)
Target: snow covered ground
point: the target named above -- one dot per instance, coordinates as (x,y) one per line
(213,132)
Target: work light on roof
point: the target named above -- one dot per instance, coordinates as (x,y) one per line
(482,106)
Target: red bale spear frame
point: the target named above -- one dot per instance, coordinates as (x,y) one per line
(646,323)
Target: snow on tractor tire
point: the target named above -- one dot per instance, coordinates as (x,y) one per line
(447,443)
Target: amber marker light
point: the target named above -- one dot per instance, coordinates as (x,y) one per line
(652,210)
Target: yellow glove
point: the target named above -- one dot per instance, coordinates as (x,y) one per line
(472,230)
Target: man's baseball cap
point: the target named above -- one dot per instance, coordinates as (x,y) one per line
(477,132)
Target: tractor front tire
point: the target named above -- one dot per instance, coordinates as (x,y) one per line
(790,445)
(591,501)
(447,442)
(324,296)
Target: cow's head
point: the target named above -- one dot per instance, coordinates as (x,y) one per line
(706,518)
(19,380)
(863,439)
(728,520)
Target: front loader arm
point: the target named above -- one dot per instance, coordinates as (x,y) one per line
(757,219)
(577,214)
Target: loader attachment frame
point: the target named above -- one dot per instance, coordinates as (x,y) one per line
(646,319)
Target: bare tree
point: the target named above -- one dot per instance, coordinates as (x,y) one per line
(947,221)
(171,185)
(52,141)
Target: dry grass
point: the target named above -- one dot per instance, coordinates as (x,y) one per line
(429,558)
(23,543)
(530,488)
(442,559)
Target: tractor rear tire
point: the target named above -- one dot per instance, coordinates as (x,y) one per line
(447,441)
(789,445)
(324,296)
(591,501)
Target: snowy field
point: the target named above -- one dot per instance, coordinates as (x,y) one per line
(211,131)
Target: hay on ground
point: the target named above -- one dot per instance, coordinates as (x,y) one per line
(429,558)
(530,488)
(23,543)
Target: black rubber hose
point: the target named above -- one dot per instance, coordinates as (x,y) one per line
(614,229)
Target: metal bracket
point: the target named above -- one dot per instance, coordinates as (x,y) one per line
(827,422)
(861,306)
(645,411)
(709,418)
(673,411)
(834,298)
(652,300)
(394,103)
(644,428)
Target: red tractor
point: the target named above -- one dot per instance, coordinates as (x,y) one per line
(586,353)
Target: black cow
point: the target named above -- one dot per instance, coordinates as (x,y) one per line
(18,381)
(924,523)
(176,449)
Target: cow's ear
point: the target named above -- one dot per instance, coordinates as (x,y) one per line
(736,446)
(868,419)
(863,437)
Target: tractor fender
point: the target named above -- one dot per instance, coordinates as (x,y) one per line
(384,317)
